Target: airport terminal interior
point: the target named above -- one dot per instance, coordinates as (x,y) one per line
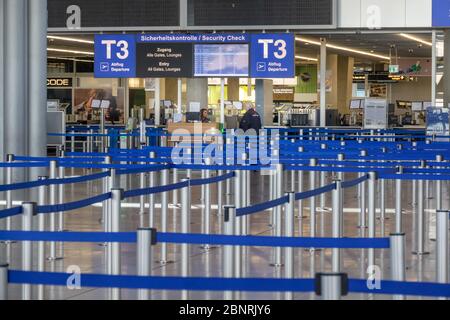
(224,150)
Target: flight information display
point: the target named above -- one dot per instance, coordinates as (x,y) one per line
(221,60)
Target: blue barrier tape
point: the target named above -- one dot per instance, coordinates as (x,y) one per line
(403,288)
(316,192)
(354,183)
(148,169)
(181,238)
(23,165)
(22,185)
(261,207)
(163,283)
(92,177)
(48,182)
(91,237)
(200,182)
(10,212)
(155,190)
(263,241)
(414,177)
(73,205)
(222,167)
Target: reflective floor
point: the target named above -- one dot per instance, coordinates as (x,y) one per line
(90,258)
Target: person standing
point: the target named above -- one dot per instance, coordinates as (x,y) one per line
(251,120)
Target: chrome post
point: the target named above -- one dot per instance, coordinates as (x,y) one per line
(289,230)
(146,239)
(398,268)
(29,210)
(185,228)
(117,197)
(42,196)
(228,251)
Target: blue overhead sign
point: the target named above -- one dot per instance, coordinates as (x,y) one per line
(260,55)
(194,38)
(272,55)
(441,13)
(115,56)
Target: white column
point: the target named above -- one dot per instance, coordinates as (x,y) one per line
(157,102)
(323,81)
(15,92)
(2,115)
(37,80)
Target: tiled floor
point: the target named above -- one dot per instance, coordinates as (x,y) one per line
(90,258)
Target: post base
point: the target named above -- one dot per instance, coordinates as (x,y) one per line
(276,265)
(8,242)
(313,250)
(163,262)
(420,253)
(52,259)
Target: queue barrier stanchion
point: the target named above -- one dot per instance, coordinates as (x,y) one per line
(164,223)
(142,185)
(105,206)
(228,250)
(397,259)
(151,201)
(28,212)
(312,200)
(146,239)
(220,194)
(362,199)
(3,281)
(206,210)
(42,196)
(116,200)
(53,256)
(61,175)
(382,200)
(398,203)
(341,178)
(9,203)
(336,224)
(278,215)
(322,198)
(289,230)
(237,220)
(331,286)
(420,217)
(372,213)
(300,202)
(442,246)
(185,228)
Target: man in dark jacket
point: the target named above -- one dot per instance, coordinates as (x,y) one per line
(251,120)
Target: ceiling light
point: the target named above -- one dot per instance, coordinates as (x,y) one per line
(70,39)
(70,59)
(306,58)
(410,37)
(332,46)
(70,51)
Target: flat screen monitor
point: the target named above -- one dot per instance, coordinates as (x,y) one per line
(221,60)
(427,104)
(417,106)
(355,104)
(193,117)
(238,105)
